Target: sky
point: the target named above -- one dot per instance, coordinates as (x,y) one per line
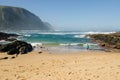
(77,15)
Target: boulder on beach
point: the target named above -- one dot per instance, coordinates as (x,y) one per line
(16,47)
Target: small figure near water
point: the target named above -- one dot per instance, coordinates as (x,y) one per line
(86,46)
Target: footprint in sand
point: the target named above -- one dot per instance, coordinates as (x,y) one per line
(6,70)
(96,76)
(100,68)
(86,69)
(7,79)
(21,78)
(117,72)
(15,75)
(37,68)
(118,66)
(69,73)
(88,74)
(37,73)
(111,67)
(43,63)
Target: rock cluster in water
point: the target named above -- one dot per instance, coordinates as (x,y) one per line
(110,41)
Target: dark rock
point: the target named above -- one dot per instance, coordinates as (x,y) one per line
(23,50)
(5,48)
(40,52)
(109,41)
(13,57)
(4,58)
(102,44)
(13,51)
(8,37)
(16,47)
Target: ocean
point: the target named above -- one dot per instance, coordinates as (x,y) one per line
(56,40)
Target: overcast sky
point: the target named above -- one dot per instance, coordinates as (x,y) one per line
(80,15)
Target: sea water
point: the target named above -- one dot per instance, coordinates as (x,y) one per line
(64,40)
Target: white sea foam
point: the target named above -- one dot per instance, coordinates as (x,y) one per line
(77,33)
(2,40)
(75,44)
(63,44)
(70,44)
(79,36)
(91,32)
(54,33)
(28,32)
(35,44)
(27,35)
(57,32)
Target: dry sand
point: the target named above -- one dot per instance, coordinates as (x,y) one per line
(84,65)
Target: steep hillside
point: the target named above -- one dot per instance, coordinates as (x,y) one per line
(14,18)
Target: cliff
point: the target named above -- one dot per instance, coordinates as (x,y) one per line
(14,18)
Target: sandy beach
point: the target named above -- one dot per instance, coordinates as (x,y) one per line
(84,65)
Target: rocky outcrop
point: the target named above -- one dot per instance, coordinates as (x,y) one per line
(8,37)
(109,41)
(16,18)
(16,47)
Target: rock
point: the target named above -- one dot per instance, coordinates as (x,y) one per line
(4,58)
(13,57)
(23,50)
(13,51)
(109,41)
(5,48)
(8,37)
(40,52)
(102,44)
(16,47)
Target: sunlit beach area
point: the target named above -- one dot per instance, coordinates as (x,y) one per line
(59,40)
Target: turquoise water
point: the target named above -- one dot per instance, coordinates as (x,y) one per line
(55,38)
(62,39)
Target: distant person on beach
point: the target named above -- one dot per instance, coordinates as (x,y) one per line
(86,46)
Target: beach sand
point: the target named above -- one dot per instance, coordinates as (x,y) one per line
(84,65)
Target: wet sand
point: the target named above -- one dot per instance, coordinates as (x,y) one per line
(84,65)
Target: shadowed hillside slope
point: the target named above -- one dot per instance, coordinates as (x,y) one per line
(14,18)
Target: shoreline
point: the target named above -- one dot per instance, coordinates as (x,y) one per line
(65,48)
